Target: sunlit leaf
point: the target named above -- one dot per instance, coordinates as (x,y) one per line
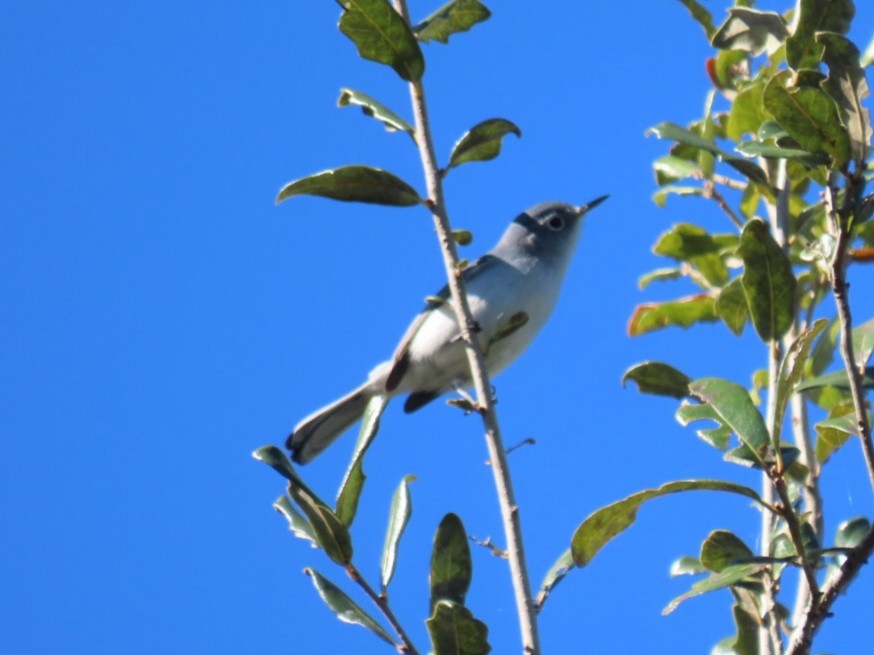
(834,431)
(658,378)
(401,510)
(374,109)
(346,609)
(453,17)
(847,86)
(354,184)
(658,275)
(733,405)
(751,30)
(863,342)
(721,549)
(685,565)
(691,243)
(683,312)
(606,523)
(482,142)
(747,112)
(792,368)
(381,35)
(297,522)
(814,16)
(718,437)
(731,306)
(660,197)
(353,479)
(729,576)
(679,134)
(768,282)
(810,117)
(838,379)
(671,168)
(556,574)
(330,534)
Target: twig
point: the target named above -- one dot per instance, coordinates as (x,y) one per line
(711,192)
(840,288)
(490,546)
(406,645)
(479,374)
(802,636)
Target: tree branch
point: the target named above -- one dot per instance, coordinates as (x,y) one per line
(479,373)
(406,645)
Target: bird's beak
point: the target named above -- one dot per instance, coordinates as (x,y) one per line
(582,209)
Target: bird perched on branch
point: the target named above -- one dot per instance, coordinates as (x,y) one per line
(511,290)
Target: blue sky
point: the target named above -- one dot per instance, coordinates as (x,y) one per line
(162,319)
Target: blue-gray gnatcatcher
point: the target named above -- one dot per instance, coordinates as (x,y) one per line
(512,290)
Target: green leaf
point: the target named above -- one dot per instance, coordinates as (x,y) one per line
(482,142)
(276,459)
(658,378)
(660,197)
(401,510)
(791,369)
(455,631)
(746,641)
(681,135)
(685,565)
(718,437)
(747,112)
(838,379)
(847,86)
(731,306)
(751,30)
(346,609)
(374,109)
(814,16)
(451,567)
(556,574)
(721,549)
(658,275)
(690,243)
(683,312)
(330,534)
(701,14)
(604,524)
(671,168)
(768,282)
(381,35)
(835,431)
(354,184)
(852,531)
(297,522)
(733,405)
(453,17)
(863,342)
(757,149)
(824,350)
(810,117)
(353,479)
(732,575)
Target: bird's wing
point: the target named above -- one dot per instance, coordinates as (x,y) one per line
(401,361)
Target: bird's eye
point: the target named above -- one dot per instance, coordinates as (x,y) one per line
(555,223)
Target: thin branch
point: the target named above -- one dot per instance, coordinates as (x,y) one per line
(711,192)
(840,288)
(406,645)
(802,636)
(479,374)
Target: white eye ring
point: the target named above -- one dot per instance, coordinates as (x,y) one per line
(556,223)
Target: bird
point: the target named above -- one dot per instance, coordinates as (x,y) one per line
(512,290)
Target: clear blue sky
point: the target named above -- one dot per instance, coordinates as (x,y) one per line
(162,319)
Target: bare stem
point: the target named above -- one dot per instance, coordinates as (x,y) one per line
(840,288)
(406,646)
(479,373)
(802,637)
(711,192)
